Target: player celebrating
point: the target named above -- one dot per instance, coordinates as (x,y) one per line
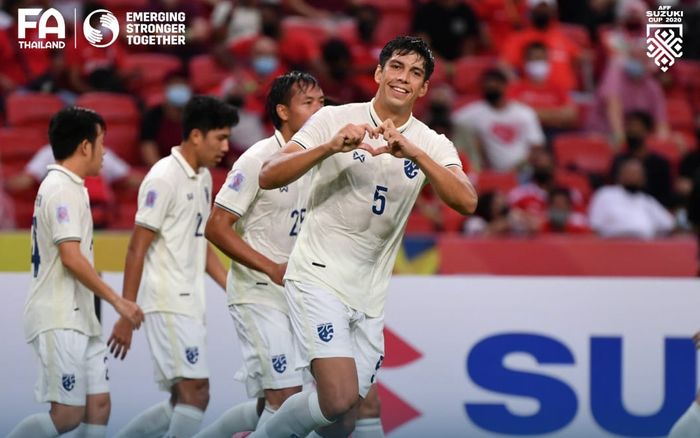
(370,161)
(59,315)
(165,265)
(257,228)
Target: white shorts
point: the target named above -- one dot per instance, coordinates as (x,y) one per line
(325,327)
(178,346)
(72,365)
(267,344)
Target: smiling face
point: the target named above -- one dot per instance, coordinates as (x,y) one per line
(401,81)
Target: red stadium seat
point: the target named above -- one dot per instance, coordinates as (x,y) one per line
(468,71)
(573,180)
(149,70)
(667,148)
(218,177)
(32,110)
(205,73)
(491,181)
(680,114)
(18,146)
(320,31)
(590,153)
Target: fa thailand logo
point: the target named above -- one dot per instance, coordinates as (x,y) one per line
(151,198)
(664,36)
(237,179)
(325,331)
(109,29)
(410,169)
(68,381)
(279,363)
(358,156)
(62,214)
(192,354)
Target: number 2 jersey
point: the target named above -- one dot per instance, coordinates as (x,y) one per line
(57,300)
(269,222)
(174,202)
(358,207)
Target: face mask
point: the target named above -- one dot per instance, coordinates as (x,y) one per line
(537,70)
(558,218)
(540,20)
(264,65)
(635,142)
(493,96)
(634,68)
(632,188)
(178,95)
(542,176)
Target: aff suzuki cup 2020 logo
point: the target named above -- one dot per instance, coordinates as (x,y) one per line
(664,36)
(96,37)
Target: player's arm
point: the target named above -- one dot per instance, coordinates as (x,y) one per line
(141,239)
(80,267)
(293,161)
(450,183)
(215,268)
(219,231)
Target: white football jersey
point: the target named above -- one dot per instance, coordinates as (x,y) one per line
(174,201)
(358,207)
(57,300)
(269,222)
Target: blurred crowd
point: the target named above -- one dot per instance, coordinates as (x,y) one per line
(563,122)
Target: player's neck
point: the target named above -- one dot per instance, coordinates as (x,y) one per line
(188,153)
(286,132)
(398,116)
(74,165)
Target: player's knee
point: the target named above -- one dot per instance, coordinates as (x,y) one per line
(66,418)
(275,397)
(369,408)
(338,406)
(194,393)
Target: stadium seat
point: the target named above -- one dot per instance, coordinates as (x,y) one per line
(468,71)
(680,114)
(667,148)
(492,181)
(149,70)
(320,31)
(218,177)
(32,110)
(586,152)
(205,73)
(18,146)
(574,180)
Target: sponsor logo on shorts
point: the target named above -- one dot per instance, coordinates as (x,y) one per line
(410,169)
(192,354)
(325,331)
(279,363)
(68,381)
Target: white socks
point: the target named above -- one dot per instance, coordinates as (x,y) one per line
(299,415)
(240,418)
(35,426)
(152,423)
(185,422)
(368,428)
(266,414)
(688,426)
(86,430)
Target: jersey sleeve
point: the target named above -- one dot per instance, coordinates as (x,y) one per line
(445,152)
(63,211)
(241,186)
(316,130)
(155,196)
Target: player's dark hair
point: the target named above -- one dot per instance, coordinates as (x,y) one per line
(642,116)
(404,45)
(69,127)
(207,113)
(281,92)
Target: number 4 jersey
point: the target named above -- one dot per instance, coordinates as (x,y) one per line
(358,207)
(174,202)
(269,222)
(57,300)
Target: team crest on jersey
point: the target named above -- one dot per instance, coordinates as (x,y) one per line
(325,331)
(237,179)
(358,156)
(410,169)
(279,363)
(151,198)
(284,189)
(192,354)
(62,214)
(68,381)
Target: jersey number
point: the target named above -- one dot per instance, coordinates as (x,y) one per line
(379,195)
(198,231)
(298,216)
(36,258)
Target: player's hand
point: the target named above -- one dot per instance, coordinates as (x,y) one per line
(120,341)
(130,311)
(351,137)
(276,274)
(396,144)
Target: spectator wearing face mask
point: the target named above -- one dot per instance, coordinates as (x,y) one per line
(638,127)
(553,104)
(498,133)
(626,86)
(624,210)
(564,54)
(561,216)
(162,125)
